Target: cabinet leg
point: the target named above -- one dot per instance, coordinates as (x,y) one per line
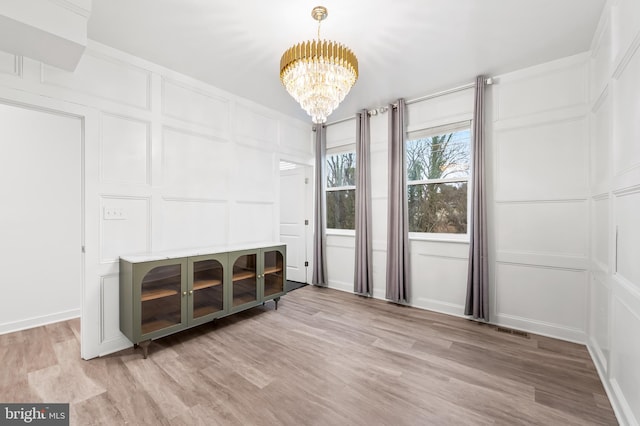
(145,348)
(277,299)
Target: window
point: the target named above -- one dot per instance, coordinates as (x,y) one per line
(341,191)
(438,168)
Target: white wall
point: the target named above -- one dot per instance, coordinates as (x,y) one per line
(170,163)
(614,271)
(537,157)
(537,169)
(41,222)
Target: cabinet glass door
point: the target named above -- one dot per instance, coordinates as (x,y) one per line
(160,298)
(207,293)
(245,283)
(273,273)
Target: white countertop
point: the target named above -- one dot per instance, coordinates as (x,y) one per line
(174,254)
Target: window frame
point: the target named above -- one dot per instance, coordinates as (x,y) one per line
(437,130)
(344,149)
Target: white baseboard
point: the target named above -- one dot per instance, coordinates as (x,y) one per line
(542,328)
(10,327)
(621,410)
(112,346)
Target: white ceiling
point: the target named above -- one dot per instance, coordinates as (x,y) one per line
(405,48)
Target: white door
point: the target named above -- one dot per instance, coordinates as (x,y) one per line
(41,217)
(294,211)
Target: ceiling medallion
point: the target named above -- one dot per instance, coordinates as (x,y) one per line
(318,74)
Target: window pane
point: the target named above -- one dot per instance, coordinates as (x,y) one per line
(439,157)
(438,208)
(341,208)
(341,170)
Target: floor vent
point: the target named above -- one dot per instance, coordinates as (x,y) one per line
(514,332)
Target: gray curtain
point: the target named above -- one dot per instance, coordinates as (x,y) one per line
(478,276)
(319,277)
(398,273)
(363,277)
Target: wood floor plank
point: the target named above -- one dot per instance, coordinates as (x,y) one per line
(323,358)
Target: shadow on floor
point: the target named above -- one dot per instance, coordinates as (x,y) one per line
(294,285)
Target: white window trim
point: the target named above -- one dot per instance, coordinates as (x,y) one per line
(423,132)
(340,188)
(338,150)
(438,237)
(341,232)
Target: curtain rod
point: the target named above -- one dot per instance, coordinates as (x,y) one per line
(380,110)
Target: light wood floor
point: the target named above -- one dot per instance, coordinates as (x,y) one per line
(323,358)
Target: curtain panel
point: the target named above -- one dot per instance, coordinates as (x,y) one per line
(398,272)
(319,276)
(363,276)
(477,303)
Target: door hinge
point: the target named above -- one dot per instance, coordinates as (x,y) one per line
(83,249)
(306,221)
(306,263)
(306,181)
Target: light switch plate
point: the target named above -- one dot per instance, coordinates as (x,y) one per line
(113,213)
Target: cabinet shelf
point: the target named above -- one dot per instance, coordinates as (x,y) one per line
(204,310)
(149,326)
(239,276)
(243,298)
(201,284)
(272,270)
(157,294)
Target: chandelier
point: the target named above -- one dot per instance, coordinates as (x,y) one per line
(318,74)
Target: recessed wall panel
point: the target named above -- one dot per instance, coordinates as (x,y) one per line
(254,128)
(252,222)
(439,278)
(109,308)
(379,174)
(441,110)
(599,317)
(626,353)
(539,294)
(124,227)
(195,166)
(194,106)
(341,261)
(600,232)
(554,228)
(124,150)
(542,162)
(104,77)
(601,62)
(189,224)
(538,92)
(626,22)
(296,139)
(8,63)
(600,144)
(628,236)
(627,124)
(341,134)
(255,175)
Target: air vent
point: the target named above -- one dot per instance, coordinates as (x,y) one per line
(514,332)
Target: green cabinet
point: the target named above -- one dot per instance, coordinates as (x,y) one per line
(257,275)
(160,295)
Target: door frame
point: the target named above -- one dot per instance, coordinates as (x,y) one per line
(308,212)
(90,312)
